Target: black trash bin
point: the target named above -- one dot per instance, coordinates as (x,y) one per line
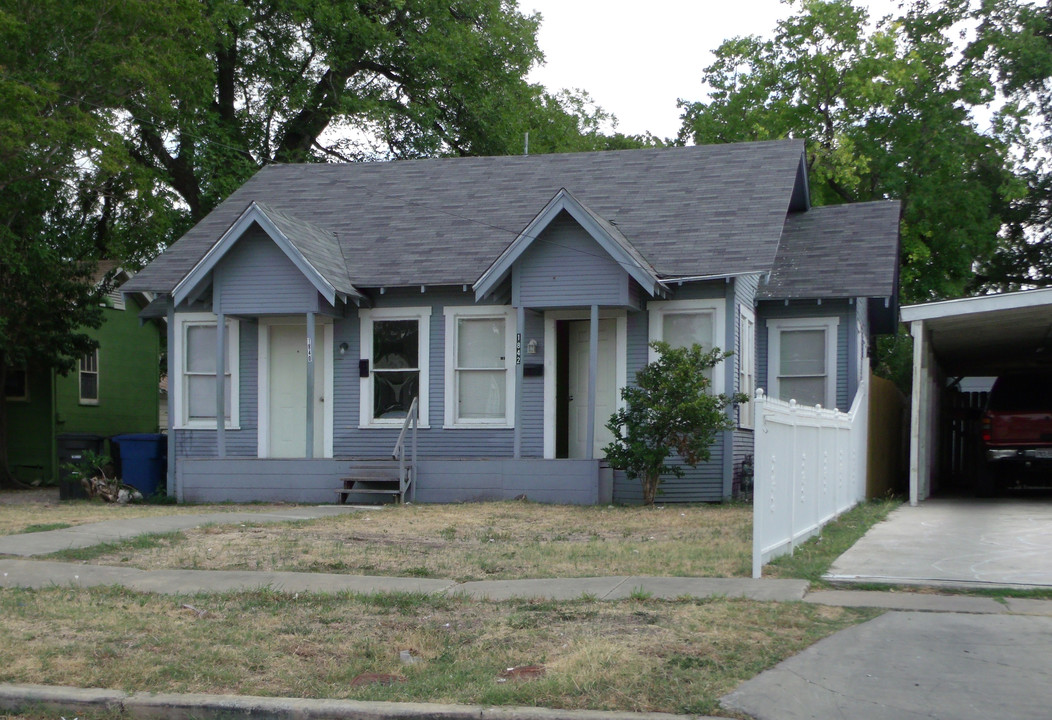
(143,461)
(71,448)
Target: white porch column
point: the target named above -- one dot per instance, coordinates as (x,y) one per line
(593,373)
(221,382)
(310,385)
(520,321)
(172,489)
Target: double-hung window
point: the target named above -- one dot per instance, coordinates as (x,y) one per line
(746,365)
(16,384)
(88,378)
(682,323)
(801,360)
(394,344)
(195,371)
(480,351)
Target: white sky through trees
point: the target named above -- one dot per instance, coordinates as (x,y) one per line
(636,58)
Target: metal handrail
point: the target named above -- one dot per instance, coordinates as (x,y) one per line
(411,418)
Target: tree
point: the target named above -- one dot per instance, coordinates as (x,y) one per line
(61,167)
(1014,45)
(668,410)
(887,113)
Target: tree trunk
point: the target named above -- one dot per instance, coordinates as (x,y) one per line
(650,484)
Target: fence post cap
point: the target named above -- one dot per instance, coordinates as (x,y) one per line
(759,393)
(792,403)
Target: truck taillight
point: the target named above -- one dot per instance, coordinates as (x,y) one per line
(987,429)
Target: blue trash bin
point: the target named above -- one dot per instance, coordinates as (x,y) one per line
(143,461)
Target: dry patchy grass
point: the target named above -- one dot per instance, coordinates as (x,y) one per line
(631,655)
(22,510)
(481,541)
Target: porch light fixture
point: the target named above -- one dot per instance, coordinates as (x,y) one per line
(531,347)
(344,347)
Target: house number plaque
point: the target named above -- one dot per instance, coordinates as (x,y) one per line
(518,348)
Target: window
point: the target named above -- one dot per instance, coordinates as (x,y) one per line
(195,372)
(89,378)
(681,323)
(801,359)
(395,347)
(16,384)
(480,356)
(746,364)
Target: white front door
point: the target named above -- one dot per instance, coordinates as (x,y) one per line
(287,385)
(605,387)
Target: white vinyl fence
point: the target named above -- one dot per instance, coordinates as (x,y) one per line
(810,466)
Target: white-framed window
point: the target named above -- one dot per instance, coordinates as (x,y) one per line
(394,344)
(16,385)
(480,360)
(88,378)
(682,323)
(746,365)
(195,372)
(801,359)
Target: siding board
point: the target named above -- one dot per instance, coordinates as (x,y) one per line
(257,278)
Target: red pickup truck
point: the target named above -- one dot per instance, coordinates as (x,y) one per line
(1017,432)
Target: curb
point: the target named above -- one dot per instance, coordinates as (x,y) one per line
(194,706)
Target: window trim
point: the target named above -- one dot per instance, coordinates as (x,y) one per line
(25,384)
(366,317)
(81,372)
(746,365)
(484,312)
(179,396)
(775,328)
(717,306)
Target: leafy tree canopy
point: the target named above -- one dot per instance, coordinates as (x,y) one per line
(888,110)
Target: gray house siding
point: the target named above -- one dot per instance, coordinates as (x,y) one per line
(350,440)
(742,438)
(257,278)
(843,310)
(565,267)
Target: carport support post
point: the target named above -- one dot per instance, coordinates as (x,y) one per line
(917,407)
(310,385)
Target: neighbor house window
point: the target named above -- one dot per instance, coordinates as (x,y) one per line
(16,384)
(395,351)
(801,360)
(195,357)
(480,357)
(682,323)
(746,364)
(89,378)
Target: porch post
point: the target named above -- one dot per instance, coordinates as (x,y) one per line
(917,409)
(221,383)
(310,385)
(172,490)
(520,321)
(593,372)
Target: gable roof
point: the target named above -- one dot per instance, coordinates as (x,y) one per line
(687,211)
(313,250)
(606,234)
(837,251)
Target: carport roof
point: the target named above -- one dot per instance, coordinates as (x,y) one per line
(989,334)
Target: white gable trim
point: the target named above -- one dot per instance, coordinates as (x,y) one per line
(563,200)
(253,214)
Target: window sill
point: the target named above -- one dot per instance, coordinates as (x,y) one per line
(205,426)
(379,425)
(480,426)
(89,403)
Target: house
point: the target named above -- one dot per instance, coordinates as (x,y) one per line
(110,391)
(510,297)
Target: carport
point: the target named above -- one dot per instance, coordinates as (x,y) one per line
(979,336)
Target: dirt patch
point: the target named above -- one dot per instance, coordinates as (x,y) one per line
(33,496)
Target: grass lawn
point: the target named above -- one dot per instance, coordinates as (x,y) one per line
(636,655)
(504,540)
(640,654)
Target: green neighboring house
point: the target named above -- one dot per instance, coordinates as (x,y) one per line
(110,392)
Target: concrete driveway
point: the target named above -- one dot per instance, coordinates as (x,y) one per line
(956,542)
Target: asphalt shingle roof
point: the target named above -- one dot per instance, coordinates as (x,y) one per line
(704,210)
(837,251)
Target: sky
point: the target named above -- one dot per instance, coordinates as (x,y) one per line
(637,58)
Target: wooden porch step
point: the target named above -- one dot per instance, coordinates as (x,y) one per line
(377,479)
